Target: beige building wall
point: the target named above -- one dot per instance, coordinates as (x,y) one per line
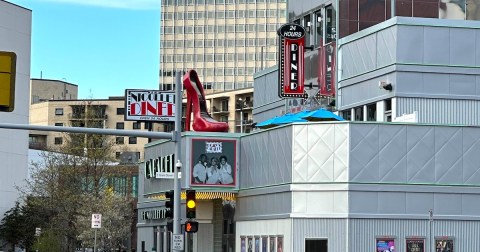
(44,90)
(59,113)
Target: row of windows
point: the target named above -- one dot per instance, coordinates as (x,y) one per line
(211,43)
(200,2)
(118,140)
(239,28)
(219,57)
(238,71)
(193,15)
(135,125)
(215,86)
(59,111)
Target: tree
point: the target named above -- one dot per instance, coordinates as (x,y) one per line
(9,227)
(74,180)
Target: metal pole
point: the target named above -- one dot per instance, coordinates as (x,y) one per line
(95,243)
(241,118)
(178,151)
(115,132)
(392,8)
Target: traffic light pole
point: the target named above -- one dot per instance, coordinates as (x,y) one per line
(178,152)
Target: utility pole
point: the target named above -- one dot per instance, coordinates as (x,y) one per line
(178,166)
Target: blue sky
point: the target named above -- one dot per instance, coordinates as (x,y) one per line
(103,46)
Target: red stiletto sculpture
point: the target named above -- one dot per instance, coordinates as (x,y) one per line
(202,121)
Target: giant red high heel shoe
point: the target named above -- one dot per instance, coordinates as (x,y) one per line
(202,121)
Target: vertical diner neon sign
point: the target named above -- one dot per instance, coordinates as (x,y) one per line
(291,61)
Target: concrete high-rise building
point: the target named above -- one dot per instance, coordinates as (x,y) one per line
(225,41)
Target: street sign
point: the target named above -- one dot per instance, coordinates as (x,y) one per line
(96,221)
(38,231)
(177,242)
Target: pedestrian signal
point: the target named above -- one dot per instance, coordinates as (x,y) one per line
(191,226)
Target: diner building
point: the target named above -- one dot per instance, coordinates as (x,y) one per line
(401,174)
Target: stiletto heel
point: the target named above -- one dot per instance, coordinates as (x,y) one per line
(202,121)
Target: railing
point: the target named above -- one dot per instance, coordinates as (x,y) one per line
(74,116)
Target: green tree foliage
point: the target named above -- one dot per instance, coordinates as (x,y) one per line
(72,182)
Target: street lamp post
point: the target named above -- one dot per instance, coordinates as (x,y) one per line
(241,114)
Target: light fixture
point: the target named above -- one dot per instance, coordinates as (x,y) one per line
(385,85)
(319,19)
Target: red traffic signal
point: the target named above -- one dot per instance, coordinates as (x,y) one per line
(191,226)
(191,204)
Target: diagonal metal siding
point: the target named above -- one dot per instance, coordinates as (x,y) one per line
(441,111)
(267,158)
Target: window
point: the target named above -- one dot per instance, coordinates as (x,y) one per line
(317,245)
(59,124)
(117,155)
(120,111)
(120,125)
(59,111)
(372,112)
(359,113)
(137,125)
(132,140)
(119,140)
(58,140)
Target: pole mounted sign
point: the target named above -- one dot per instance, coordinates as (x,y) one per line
(96,221)
(291,61)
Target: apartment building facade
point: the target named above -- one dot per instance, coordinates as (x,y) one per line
(225,41)
(101,113)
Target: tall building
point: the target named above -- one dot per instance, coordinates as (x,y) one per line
(225,41)
(16,33)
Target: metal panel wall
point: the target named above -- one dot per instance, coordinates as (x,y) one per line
(264,206)
(465,234)
(414,154)
(268,158)
(334,230)
(320,153)
(441,111)
(267,104)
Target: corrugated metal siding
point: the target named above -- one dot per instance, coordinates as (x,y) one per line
(204,239)
(441,111)
(332,229)
(217,226)
(363,233)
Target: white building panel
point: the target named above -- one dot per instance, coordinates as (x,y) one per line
(15,36)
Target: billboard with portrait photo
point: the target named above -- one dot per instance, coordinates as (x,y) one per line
(213,162)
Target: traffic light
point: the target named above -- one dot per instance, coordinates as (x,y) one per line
(191,204)
(191,226)
(7,81)
(169,202)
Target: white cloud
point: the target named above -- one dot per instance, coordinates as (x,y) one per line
(122,4)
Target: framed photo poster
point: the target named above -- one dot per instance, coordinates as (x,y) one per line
(415,245)
(264,243)
(444,245)
(213,162)
(385,245)
(272,243)
(243,245)
(250,244)
(280,244)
